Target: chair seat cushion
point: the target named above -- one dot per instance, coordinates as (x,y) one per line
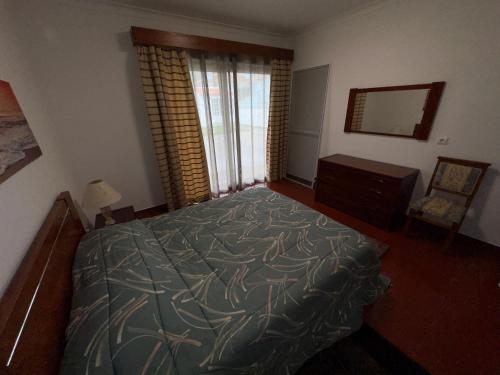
(440,208)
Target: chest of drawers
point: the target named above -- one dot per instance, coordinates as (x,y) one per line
(375,192)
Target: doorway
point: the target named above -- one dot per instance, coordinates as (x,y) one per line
(309,89)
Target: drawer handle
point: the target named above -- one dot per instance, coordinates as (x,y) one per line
(375,191)
(378,180)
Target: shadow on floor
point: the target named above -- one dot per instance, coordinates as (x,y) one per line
(363,353)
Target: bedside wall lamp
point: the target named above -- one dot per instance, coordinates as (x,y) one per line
(100,195)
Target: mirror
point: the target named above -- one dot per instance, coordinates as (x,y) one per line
(400,111)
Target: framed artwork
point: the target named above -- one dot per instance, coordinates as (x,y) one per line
(18,146)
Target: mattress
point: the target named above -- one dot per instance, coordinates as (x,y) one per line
(254,283)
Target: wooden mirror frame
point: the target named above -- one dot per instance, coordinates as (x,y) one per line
(423,129)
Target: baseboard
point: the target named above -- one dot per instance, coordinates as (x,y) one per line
(299,180)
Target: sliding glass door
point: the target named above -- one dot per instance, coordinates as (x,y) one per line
(232,97)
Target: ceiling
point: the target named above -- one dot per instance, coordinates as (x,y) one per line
(277,16)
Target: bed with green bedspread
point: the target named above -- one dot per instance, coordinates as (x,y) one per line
(254,283)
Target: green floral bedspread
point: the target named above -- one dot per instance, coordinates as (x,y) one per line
(254,283)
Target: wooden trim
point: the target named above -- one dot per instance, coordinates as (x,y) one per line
(35,306)
(66,196)
(378,133)
(430,110)
(419,86)
(431,182)
(31,154)
(147,37)
(469,163)
(350,110)
(301,180)
(431,105)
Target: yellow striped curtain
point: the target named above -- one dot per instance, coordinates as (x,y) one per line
(175,125)
(277,131)
(359,109)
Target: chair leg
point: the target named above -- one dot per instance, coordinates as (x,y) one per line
(450,237)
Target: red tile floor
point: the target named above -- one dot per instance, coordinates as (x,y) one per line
(443,309)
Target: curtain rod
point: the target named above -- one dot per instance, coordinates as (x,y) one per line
(147,37)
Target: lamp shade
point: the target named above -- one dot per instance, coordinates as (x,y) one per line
(99,194)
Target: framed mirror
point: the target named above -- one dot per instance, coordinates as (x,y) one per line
(398,111)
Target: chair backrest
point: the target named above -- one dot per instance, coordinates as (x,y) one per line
(458,176)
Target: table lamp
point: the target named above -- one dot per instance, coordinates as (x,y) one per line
(99,195)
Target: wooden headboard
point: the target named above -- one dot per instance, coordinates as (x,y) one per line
(35,307)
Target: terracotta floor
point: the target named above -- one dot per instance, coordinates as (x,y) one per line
(443,310)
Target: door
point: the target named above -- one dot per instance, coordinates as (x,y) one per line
(309,88)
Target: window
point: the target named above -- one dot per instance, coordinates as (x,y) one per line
(233,103)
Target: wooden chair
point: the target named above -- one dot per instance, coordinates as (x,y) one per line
(452,180)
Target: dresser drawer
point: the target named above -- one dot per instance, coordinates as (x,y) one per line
(378,194)
(360,197)
(339,174)
(374,212)
(361,188)
(339,200)
(378,216)
(374,192)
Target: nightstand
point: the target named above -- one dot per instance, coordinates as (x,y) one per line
(121,215)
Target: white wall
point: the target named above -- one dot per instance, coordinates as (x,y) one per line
(87,66)
(401,42)
(83,72)
(26,197)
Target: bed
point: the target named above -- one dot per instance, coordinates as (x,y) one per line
(254,283)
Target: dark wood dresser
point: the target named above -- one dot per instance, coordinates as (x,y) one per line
(375,192)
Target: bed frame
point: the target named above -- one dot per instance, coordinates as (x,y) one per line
(35,307)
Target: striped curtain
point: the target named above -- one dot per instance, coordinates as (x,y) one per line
(359,108)
(175,125)
(277,131)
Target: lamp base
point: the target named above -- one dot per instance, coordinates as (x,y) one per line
(108,215)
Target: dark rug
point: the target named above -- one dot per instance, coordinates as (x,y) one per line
(364,352)
(345,357)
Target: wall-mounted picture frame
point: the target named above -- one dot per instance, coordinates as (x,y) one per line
(18,146)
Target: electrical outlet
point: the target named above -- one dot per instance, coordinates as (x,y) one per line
(443,140)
